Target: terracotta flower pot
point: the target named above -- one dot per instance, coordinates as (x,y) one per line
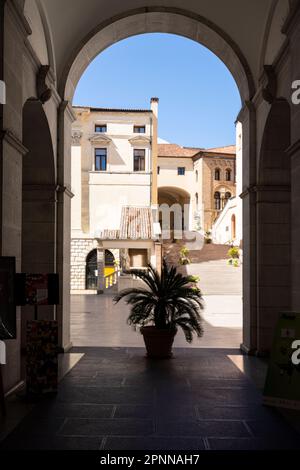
(158,342)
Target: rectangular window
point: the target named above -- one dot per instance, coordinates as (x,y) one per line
(139,129)
(100,159)
(101,128)
(181,170)
(139,160)
(158,170)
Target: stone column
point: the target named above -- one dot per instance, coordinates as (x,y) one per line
(14,29)
(101,265)
(64,195)
(247,118)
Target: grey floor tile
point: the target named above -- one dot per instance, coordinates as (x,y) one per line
(153,444)
(134,411)
(250,444)
(203,428)
(108,427)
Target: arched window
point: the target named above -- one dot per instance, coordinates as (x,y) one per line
(197,201)
(217,174)
(197,176)
(109,259)
(228,175)
(227,195)
(91,271)
(217,201)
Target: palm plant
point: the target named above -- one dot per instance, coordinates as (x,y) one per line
(168,301)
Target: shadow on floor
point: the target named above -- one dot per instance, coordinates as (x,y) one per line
(116,399)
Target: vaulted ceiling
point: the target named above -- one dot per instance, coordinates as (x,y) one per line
(247,23)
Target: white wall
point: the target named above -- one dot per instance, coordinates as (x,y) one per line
(169,177)
(239,181)
(100,196)
(76,188)
(222,232)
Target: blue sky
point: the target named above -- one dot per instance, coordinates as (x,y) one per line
(199,100)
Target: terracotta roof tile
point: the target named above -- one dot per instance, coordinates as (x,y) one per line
(174,150)
(229,149)
(136,223)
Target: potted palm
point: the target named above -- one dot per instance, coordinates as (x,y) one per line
(169,300)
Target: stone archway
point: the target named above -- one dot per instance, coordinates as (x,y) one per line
(38,200)
(273,202)
(179,218)
(157,20)
(192,26)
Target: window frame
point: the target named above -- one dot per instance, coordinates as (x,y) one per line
(141,158)
(218,203)
(135,127)
(217,172)
(228,175)
(100,157)
(103,126)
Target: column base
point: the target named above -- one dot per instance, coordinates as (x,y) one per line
(248,351)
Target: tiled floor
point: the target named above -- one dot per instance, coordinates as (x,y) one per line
(97,321)
(115,399)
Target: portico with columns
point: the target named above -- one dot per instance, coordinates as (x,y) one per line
(40,35)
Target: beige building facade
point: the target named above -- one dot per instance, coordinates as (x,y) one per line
(202,180)
(112,169)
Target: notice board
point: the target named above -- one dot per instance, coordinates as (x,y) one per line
(282,387)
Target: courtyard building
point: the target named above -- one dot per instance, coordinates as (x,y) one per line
(112,224)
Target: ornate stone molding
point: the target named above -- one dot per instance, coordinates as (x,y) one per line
(140,140)
(44,92)
(21,22)
(269,84)
(100,139)
(76,137)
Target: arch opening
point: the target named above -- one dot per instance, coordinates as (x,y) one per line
(38,200)
(157,20)
(274,222)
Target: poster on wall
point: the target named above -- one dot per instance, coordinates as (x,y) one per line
(282,387)
(7,298)
(42,357)
(37,289)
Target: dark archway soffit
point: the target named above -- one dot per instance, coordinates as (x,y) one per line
(159,9)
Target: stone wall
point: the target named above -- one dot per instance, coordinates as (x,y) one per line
(80,248)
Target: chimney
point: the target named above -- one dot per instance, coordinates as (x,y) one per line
(154,106)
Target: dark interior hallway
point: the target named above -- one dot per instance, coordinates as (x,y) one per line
(115,398)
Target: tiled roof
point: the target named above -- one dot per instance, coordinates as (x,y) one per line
(229,149)
(109,235)
(174,150)
(112,110)
(136,223)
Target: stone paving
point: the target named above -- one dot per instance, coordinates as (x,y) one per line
(116,399)
(96,321)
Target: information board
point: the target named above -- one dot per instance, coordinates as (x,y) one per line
(282,387)
(42,358)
